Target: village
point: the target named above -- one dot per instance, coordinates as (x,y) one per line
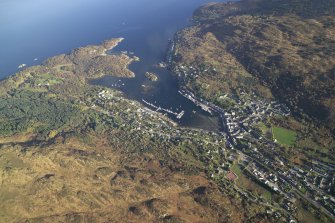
(263,162)
(237,144)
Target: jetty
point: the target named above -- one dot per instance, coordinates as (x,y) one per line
(159,108)
(199,102)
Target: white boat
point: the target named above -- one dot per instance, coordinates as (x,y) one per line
(22,66)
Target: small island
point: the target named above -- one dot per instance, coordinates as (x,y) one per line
(151,76)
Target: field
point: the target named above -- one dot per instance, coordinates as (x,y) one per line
(284,136)
(237,170)
(245,183)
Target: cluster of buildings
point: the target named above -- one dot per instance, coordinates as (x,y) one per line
(268,167)
(138,118)
(192,72)
(311,182)
(261,158)
(241,118)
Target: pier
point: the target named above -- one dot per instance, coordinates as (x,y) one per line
(159,108)
(170,52)
(190,96)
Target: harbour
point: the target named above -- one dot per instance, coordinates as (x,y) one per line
(151,40)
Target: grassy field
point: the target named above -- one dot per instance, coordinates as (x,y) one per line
(284,136)
(247,184)
(236,169)
(267,195)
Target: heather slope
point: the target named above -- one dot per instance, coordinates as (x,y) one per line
(287,45)
(73,152)
(278,50)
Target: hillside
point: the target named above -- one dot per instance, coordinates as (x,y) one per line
(73,152)
(288,45)
(277,49)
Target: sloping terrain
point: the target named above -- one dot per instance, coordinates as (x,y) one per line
(277,49)
(72,181)
(288,46)
(72,152)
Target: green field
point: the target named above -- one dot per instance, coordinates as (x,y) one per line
(284,136)
(236,169)
(267,195)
